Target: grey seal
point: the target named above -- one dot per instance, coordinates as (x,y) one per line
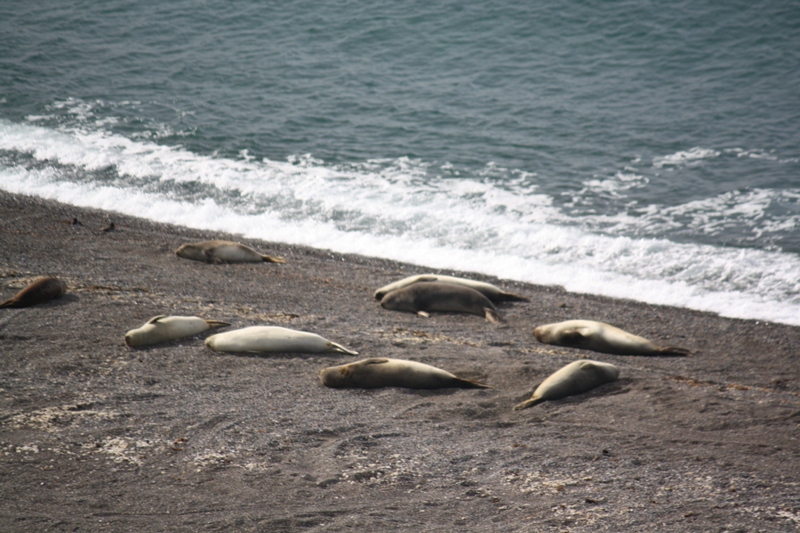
(439,296)
(495,294)
(224,252)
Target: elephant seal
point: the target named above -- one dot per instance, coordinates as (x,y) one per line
(380,372)
(439,296)
(224,252)
(495,294)
(600,337)
(257,339)
(164,328)
(575,378)
(38,291)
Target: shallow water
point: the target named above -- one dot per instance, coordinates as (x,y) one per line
(627,150)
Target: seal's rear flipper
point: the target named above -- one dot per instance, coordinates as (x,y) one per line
(469,384)
(527,403)
(272,259)
(339,348)
(492,316)
(217,323)
(673,350)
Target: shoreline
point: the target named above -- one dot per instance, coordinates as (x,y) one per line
(175,436)
(596,281)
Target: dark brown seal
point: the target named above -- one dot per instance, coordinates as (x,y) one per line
(39,291)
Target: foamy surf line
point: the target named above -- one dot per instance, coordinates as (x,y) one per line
(210,216)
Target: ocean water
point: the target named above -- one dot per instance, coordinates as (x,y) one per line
(631,149)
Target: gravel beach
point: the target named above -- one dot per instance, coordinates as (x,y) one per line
(98,436)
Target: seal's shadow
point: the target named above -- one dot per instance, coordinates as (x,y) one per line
(61,301)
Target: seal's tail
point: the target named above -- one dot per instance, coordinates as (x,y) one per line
(527,403)
(272,259)
(469,384)
(511,297)
(673,350)
(339,348)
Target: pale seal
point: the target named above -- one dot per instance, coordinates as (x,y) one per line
(383,372)
(438,296)
(495,294)
(256,339)
(600,337)
(164,328)
(575,378)
(224,252)
(38,291)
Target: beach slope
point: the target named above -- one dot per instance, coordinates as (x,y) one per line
(95,435)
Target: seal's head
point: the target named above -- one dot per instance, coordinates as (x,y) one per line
(191,251)
(542,334)
(399,300)
(336,376)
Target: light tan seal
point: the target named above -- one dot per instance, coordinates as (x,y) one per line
(258,339)
(224,252)
(380,372)
(421,298)
(163,328)
(38,291)
(600,337)
(495,294)
(575,378)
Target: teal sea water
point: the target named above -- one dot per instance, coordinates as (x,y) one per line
(633,149)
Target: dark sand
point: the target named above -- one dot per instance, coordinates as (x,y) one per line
(97,436)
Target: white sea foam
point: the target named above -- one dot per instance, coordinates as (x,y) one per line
(686,157)
(742,211)
(394,209)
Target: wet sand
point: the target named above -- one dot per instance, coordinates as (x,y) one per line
(98,436)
